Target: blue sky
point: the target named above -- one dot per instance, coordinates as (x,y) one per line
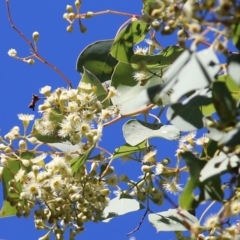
(18,81)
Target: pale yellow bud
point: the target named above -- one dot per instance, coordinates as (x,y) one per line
(22,145)
(25,162)
(2,146)
(104,192)
(89,15)
(65,16)
(30,61)
(71,16)
(35,36)
(83,29)
(146,168)
(69,28)
(33,140)
(69,8)
(78,4)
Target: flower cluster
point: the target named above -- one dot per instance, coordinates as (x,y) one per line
(74,114)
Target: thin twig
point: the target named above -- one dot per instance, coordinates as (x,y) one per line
(108,11)
(139,225)
(129,114)
(33,49)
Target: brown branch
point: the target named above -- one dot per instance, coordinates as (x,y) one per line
(109,11)
(149,107)
(139,225)
(35,53)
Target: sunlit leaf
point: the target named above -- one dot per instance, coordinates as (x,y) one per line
(218,165)
(136,131)
(191,71)
(187,200)
(234,66)
(229,139)
(122,48)
(8,174)
(128,150)
(132,97)
(97,59)
(67,147)
(172,220)
(120,206)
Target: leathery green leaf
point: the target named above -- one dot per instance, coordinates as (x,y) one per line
(122,48)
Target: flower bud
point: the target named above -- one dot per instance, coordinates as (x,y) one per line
(146,168)
(83,29)
(89,15)
(104,191)
(78,4)
(30,61)
(35,36)
(69,8)
(12,190)
(70,28)
(124,178)
(22,145)
(71,16)
(2,146)
(32,140)
(25,162)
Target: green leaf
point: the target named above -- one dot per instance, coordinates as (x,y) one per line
(89,77)
(136,131)
(236,34)
(97,59)
(224,103)
(209,189)
(165,57)
(122,48)
(233,88)
(7,210)
(8,174)
(187,199)
(79,161)
(172,220)
(128,150)
(123,75)
(132,97)
(186,115)
(211,148)
(120,206)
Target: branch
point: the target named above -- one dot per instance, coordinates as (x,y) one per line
(149,107)
(139,225)
(35,53)
(84,15)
